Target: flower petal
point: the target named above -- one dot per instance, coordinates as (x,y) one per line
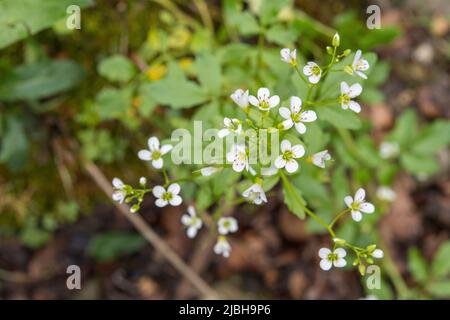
(280,162)
(360,195)
(287,124)
(296,104)
(285,54)
(340,263)
(300,127)
(341,253)
(223,133)
(274,101)
(153,143)
(186,220)
(117,183)
(166,148)
(145,155)
(263,93)
(355,90)
(291,166)
(314,78)
(298,151)
(356,215)
(308,116)
(176,200)
(174,188)
(348,201)
(367,207)
(344,87)
(354,106)
(285,145)
(253,101)
(161,203)
(191,232)
(158,191)
(325,264)
(324,252)
(158,164)
(285,112)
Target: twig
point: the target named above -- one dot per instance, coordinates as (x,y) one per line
(152,237)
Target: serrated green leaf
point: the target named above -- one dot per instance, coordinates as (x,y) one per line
(117,68)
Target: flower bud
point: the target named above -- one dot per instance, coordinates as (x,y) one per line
(329,50)
(142,181)
(336,40)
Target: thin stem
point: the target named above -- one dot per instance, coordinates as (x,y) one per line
(300,74)
(340,215)
(166,178)
(303,206)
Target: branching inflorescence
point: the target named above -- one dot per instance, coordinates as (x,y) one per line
(258,114)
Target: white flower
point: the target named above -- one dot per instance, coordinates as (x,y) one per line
(222,247)
(240,97)
(358,204)
(359,64)
(295,117)
(155,153)
(142,181)
(231,126)
(347,94)
(169,196)
(192,222)
(119,193)
(389,150)
(378,253)
(207,171)
(312,71)
(288,156)
(255,194)
(227,225)
(329,258)
(238,156)
(289,56)
(386,194)
(319,158)
(264,101)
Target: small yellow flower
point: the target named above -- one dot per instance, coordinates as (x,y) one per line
(185,63)
(156,72)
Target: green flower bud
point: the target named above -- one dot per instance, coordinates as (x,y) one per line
(336,40)
(329,50)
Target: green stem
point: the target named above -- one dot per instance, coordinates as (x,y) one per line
(303,206)
(300,74)
(341,214)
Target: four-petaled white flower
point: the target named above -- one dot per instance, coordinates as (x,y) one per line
(240,97)
(227,225)
(192,222)
(386,194)
(264,101)
(238,156)
(288,156)
(222,247)
(169,196)
(359,64)
(231,126)
(155,153)
(330,258)
(347,94)
(255,194)
(389,149)
(119,193)
(312,71)
(319,158)
(295,117)
(207,171)
(289,56)
(359,205)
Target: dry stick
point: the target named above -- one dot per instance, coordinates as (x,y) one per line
(152,237)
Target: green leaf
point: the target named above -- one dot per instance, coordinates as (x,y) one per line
(113,103)
(40,80)
(441,262)
(417,265)
(269,9)
(293,198)
(19,19)
(432,139)
(419,165)
(281,35)
(209,73)
(117,68)
(176,91)
(246,24)
(338,117)
(440,289)
(14,144)
(113,245)
(405,128)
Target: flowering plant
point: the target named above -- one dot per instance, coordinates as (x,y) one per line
(266,125)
